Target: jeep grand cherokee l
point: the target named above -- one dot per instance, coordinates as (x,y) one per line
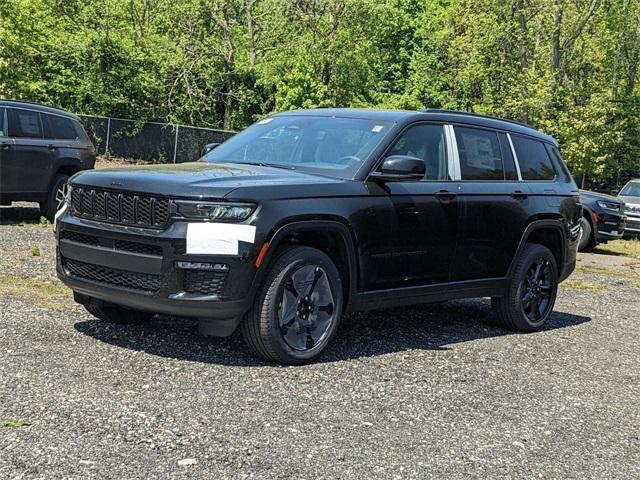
(40,148)
(310,214)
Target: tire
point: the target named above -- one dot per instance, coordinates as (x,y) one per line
(297,309)
(534,283)
(54,197)
(114,314)
(586,237)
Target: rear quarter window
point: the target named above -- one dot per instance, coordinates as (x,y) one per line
(57,127)
(533,158)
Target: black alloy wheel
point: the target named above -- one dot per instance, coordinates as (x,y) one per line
(297,310)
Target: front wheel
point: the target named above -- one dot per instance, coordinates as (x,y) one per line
(55,197)
(586,234)
(297,310)
(529,300)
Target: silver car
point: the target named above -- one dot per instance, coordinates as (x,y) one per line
(630,195)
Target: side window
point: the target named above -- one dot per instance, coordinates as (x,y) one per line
(480,154)
(58,127)
(426,141)
(24,123)
(533,159)
(3,130)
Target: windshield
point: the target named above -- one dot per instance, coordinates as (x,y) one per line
(631,189)
(326,145)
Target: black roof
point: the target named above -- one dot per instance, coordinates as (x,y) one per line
(36,106)
(448,116)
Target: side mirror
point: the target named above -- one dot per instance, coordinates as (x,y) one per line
(208,147)
(401,167)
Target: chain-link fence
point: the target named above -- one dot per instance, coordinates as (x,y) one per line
(158,142)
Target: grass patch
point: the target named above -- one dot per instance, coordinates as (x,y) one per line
(627,248)
(14,423)
(44,222)
(45,293)
(584,285)
(34,251)
(620,273)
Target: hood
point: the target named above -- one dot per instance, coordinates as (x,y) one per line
(198,179)
(599,196)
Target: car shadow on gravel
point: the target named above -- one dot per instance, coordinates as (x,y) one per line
(21,213)
(425,327)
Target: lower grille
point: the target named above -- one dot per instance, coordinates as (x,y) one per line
(204,282)
(111,276)
(135,247)
(124,245)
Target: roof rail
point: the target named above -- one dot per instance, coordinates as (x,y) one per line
(491,117)
(27,102)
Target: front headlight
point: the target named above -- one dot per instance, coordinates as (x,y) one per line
(231,212)
(609,205)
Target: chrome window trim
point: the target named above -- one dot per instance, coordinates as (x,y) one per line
(453,158)
(515,157)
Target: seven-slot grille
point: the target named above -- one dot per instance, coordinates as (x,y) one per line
(123,208)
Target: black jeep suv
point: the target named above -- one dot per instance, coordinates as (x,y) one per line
(40,148)
(307,215)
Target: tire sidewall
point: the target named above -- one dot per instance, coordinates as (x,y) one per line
(51,207)
(533,253)
(305,256)
(585,238)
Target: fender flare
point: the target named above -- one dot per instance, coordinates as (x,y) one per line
(274,240)
(539,225)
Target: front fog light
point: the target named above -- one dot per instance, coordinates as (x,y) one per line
(215,211)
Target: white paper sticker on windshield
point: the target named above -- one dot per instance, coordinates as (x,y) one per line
(264,121)
(218,238)
(377,128)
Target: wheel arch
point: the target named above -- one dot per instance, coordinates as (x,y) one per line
(332,237)
(549,233)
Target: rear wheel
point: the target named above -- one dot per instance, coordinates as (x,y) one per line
(115,314)
(586,234)
(55,197)
(297,311)
(531,295)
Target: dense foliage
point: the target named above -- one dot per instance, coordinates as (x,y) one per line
(570,67)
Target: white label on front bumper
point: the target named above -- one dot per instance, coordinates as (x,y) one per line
(218,238)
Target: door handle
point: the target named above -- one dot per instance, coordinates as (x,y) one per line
(5,146)
(51,146)
(445,196)
(519,195)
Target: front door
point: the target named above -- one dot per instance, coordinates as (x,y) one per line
(412,225)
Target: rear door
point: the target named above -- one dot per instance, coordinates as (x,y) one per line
(495,204)
(29,160)
(7,182)
(410,237)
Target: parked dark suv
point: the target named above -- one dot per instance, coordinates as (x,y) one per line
(309,214)
(603,219)
(40,148)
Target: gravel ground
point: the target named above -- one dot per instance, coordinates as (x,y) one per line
(427,392)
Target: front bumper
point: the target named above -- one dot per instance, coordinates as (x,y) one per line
(136,268)
(610,226)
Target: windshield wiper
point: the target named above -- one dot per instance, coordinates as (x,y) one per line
(274,165)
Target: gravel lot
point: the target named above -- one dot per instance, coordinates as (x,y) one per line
(428,392)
